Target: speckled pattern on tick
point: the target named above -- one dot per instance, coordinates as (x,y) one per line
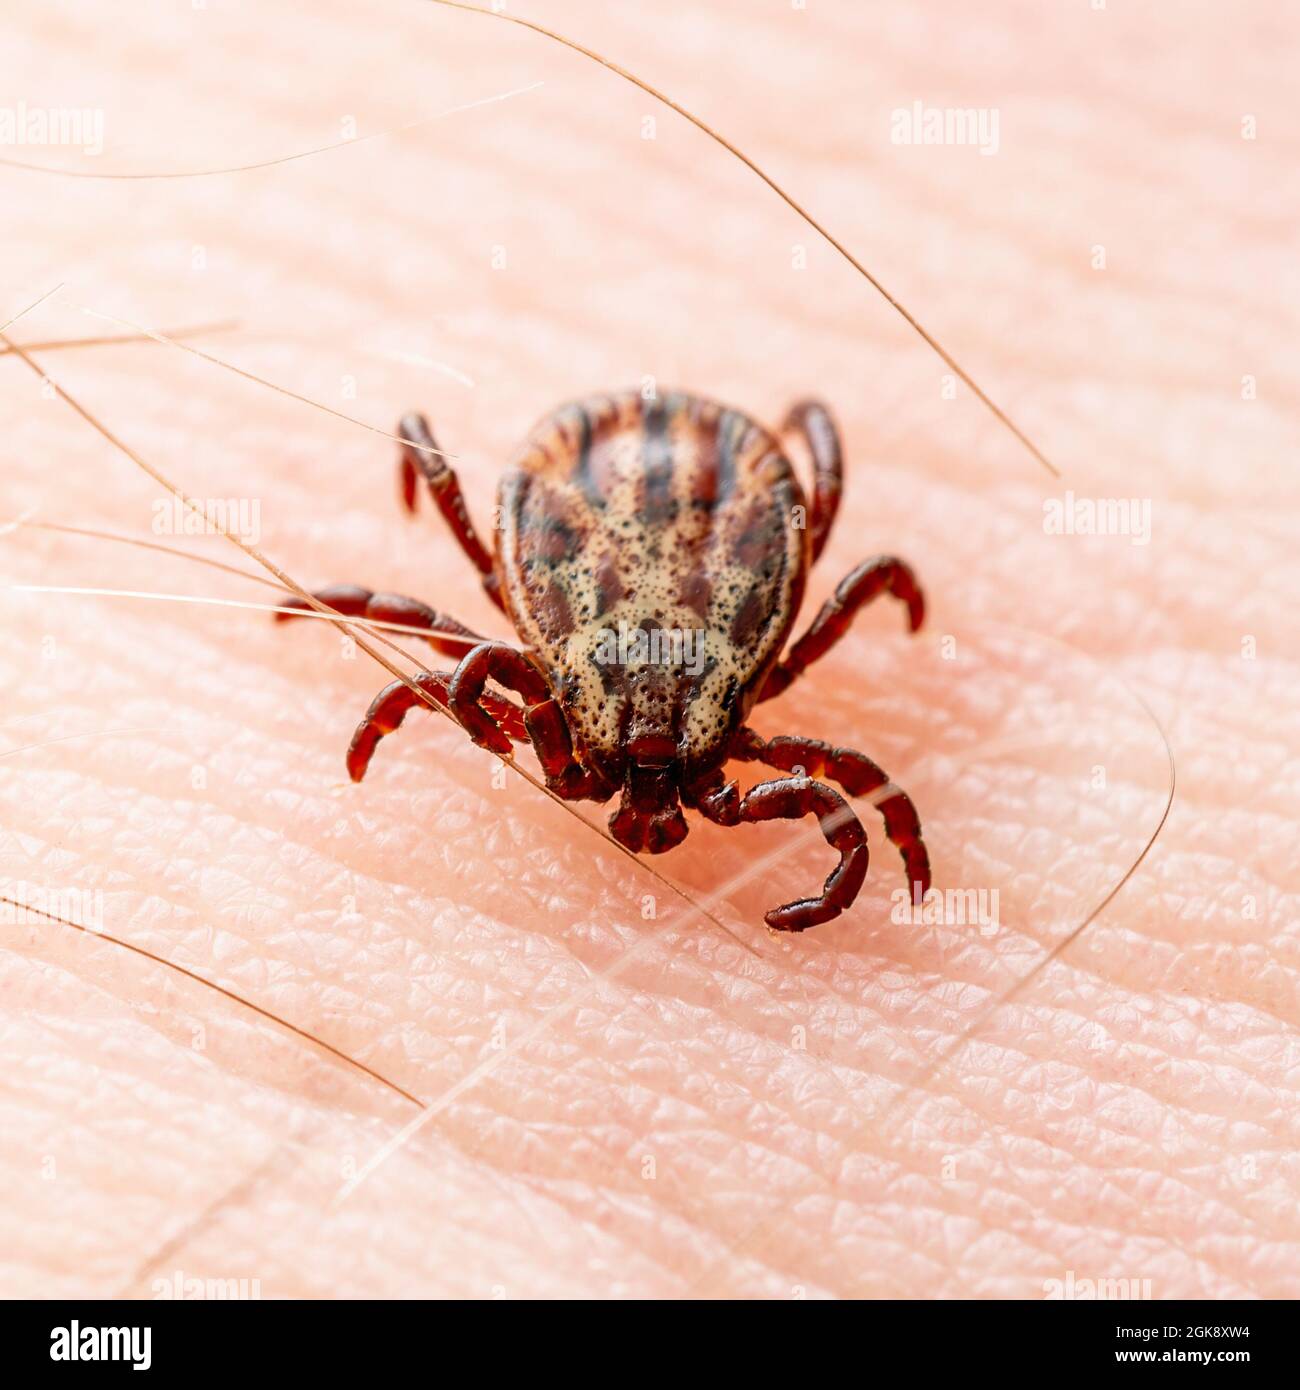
(652,556)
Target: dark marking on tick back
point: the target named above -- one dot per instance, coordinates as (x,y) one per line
(609,585)
(582,469)
(658,505)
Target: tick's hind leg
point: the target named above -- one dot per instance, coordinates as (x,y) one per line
(445,633)
(859,776)
(883,575)
(390,707)
(444,488)
(813,421)
(791,798)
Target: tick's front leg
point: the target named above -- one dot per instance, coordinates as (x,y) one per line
(883,575)
(791,798)
(859,776)
(390,707)
(444,632)
(543,719)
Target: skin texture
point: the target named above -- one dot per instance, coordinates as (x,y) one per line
(619,1096)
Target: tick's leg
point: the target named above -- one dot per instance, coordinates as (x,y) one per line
(543,719)
(389,708)
(872,578)
(444,488)
(813,421)
(789,799)
(859,776)
(355,602)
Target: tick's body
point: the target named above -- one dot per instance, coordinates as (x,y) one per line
(672,516)
(652,557)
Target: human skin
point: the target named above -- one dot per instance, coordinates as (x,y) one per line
(553,1075)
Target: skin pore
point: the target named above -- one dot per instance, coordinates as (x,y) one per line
(431,1035)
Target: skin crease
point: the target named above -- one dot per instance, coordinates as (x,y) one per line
(623,1099)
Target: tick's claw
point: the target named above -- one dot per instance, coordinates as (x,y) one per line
(796,917)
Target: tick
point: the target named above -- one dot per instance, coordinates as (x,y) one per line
(652,557)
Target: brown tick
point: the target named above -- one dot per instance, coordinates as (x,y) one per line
(652,556)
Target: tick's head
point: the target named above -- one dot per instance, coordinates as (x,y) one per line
(664,717)
(644,695)
(649,818)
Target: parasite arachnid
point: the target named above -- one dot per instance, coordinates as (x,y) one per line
(652,557)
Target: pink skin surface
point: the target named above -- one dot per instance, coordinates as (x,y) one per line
(458,1044)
